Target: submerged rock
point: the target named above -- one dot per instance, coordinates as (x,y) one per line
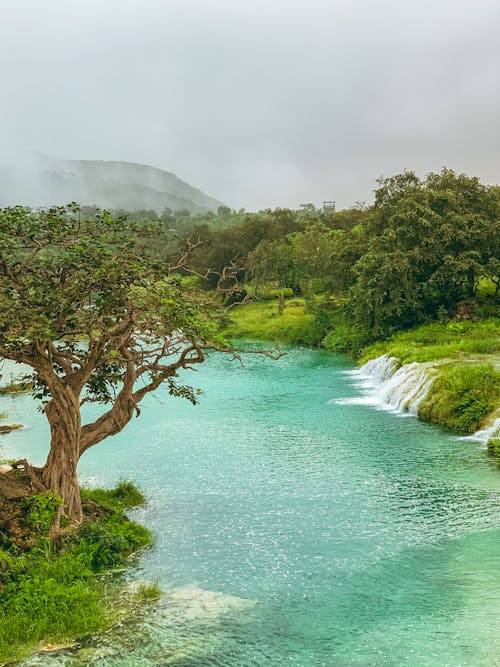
(198,604)
(7,428)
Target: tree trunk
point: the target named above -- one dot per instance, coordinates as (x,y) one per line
(59,471)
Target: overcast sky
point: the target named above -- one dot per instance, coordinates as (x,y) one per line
(257,102)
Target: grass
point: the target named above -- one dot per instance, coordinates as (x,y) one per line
(431,342)
(50,593)
(467,388)
(261,320)
(123,497)
(148,592)
(462,396)
(16,388)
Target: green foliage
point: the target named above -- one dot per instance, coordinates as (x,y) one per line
(42,510)
(272,293)
(434,341)
(106,544)
(430,244)
(344,338)
(148,591)
(51,593)
(104,272)
(16,388)
(462,396)
(262,321)
(494,447)
(124,496)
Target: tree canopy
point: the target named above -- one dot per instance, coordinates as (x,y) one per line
(96,308)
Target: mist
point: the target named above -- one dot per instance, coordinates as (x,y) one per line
(256,104)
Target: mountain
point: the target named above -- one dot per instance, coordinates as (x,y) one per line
(46,181)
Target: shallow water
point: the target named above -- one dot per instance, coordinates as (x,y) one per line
(295,530)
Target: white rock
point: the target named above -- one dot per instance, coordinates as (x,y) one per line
(4,468)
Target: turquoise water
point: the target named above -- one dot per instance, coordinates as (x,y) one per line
(295,531)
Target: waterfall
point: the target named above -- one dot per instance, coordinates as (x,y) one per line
(388,385)
(487,433)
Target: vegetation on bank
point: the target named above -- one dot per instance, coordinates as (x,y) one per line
(49,588)
(467,388)
(396,276)
(262,320)
(447,340)
(462,396)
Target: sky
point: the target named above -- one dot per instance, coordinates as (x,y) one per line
(257,103)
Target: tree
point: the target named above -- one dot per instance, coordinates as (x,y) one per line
(429,243)
(95,309)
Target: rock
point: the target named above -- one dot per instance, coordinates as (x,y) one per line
(50,648)
(197,604)
(7,428)
(5,468)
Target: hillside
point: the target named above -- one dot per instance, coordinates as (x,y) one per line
(118,185)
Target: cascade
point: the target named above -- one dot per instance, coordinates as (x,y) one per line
(386,384)
(485,434)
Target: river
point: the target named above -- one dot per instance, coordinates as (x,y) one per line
(295,527)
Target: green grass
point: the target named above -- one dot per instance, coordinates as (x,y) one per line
(462,396)
(148,592)
(51,593)
(123,497)
(261,321)
(16,388)
(431,342)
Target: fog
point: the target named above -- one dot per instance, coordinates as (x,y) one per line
(256,103)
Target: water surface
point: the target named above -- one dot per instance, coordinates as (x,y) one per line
(294,530)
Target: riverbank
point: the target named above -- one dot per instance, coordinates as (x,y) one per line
(461,359)
(53,591)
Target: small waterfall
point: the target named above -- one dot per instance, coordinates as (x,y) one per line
(380,368)
(388,385)
(485,434)
(407,387)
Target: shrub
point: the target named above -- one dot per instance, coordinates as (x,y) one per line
(50,592)
(42,510)
(124,496)
(462,396)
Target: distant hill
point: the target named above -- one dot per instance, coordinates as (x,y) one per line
(47,181)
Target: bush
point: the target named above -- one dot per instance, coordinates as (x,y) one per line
(462,396)
(434,341)
(123,497)
(50,593)
(42,511)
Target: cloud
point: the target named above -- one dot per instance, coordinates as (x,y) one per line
(257,103)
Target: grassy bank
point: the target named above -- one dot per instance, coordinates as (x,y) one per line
(54,591)
(434,341)
(261,320)
(467,389)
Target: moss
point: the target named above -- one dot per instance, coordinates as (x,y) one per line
(50,592)
(462,396)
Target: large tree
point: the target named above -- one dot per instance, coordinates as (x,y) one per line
(95,309)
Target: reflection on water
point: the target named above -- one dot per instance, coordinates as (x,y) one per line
(296,526)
